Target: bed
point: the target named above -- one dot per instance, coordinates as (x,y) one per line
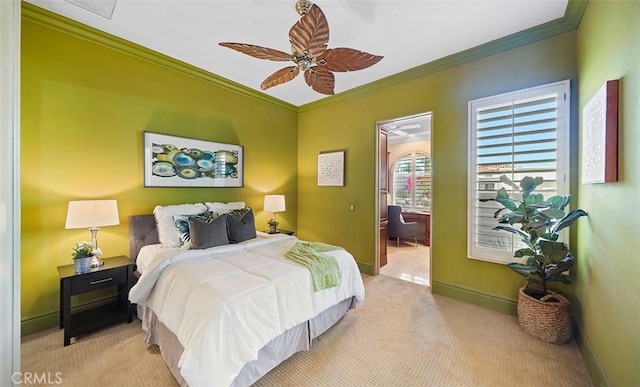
(228,314)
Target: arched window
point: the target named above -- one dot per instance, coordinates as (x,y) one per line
(411,182)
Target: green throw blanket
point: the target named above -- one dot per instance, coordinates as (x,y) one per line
(324,269)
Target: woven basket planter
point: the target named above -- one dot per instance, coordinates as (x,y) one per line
(545,320)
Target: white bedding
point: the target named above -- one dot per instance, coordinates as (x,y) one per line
(149,252)
(225,303)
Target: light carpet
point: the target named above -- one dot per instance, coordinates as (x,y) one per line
(401,336)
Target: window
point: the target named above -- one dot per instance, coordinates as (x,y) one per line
(411,182)
(524,133)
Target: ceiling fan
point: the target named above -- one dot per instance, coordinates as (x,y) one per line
(309,38)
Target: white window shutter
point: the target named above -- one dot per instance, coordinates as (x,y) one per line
(518,134)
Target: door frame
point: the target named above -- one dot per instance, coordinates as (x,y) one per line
(378,127)
(10,12)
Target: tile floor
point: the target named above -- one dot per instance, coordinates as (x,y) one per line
(408,262)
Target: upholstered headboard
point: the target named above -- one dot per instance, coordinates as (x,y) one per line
(142,231)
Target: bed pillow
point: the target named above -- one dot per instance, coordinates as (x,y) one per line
(207,233)
(167,232)
(182,226)
(241,225)
(222,208)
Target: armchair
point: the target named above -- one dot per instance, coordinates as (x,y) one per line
(398,228)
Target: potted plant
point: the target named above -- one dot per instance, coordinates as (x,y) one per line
(273,224)
(83,253)
(542,313)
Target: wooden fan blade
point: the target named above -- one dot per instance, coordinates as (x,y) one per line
(279,77)
(258,51)
(310,33)
(346,59)
(320,80)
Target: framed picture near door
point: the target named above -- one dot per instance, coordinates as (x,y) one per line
(331,169)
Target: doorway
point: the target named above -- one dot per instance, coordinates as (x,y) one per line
(408,185)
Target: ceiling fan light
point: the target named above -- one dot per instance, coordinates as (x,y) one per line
(304,61)
(304,64)
(303,6)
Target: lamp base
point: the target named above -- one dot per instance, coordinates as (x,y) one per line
(96,261)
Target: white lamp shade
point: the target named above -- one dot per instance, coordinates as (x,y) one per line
(274,203)
(92,213)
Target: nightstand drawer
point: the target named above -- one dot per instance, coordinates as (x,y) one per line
(98,280)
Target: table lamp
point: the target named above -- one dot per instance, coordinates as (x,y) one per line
(92,214)
(275,204)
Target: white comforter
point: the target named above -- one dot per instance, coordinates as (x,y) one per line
(225,303)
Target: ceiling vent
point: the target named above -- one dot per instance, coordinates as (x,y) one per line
(103,8)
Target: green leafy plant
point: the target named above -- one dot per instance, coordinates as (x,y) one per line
(272,223)
(540,220)
(84,250)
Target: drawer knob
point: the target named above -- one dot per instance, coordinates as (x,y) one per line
(101,281)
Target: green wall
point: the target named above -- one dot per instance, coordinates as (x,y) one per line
(85,106)
(608,269)
(350,124)
(325,212)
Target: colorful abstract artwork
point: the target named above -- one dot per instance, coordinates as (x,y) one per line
(172,161)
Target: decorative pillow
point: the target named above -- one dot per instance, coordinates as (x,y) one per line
(167,232)
(241,225)
(222,208)
(208,233)
(239,213)
(182,226)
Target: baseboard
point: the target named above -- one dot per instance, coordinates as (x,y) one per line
(366,269)
(468,295)
(598,376)
(46,321)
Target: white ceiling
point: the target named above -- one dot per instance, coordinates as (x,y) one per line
(407,33)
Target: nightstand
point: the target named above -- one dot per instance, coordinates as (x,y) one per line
(116,271)
(288,232)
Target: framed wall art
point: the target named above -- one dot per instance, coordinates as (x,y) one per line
(331,168)
(600,136)
(172,161)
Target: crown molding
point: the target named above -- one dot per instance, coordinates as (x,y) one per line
(569,22)
(63,24)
